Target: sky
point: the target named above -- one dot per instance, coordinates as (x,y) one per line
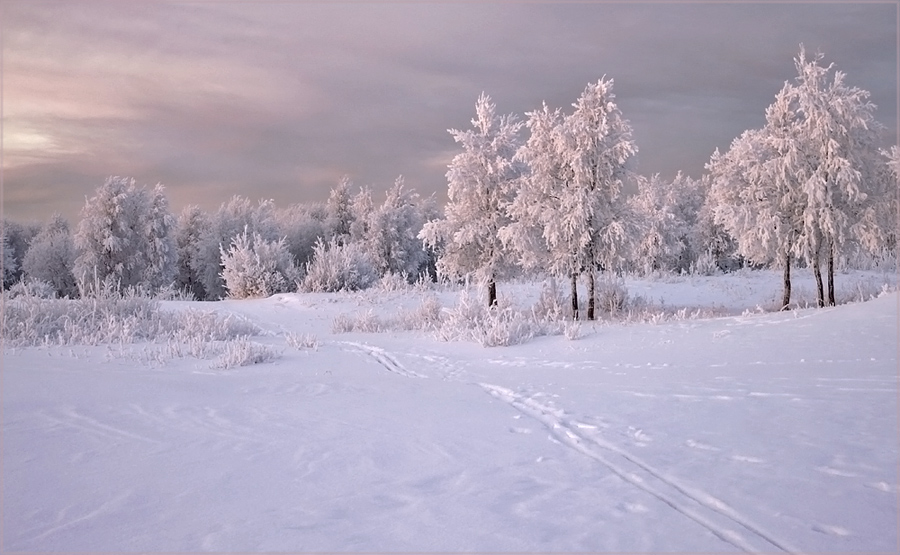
(280,99)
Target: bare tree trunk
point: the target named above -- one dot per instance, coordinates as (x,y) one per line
(492,293)
(831,273)
(574,296)
(786,296)
(592,295)
(817,271)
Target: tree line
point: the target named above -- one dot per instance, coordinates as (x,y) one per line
(809,188)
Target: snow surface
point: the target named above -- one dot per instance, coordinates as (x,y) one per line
(753,432)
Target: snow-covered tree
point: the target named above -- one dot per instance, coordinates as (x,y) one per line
(839,138)
(8,260)
(709,239)
(301,228)
(339,210)
(572,193)
(255,267)
(362,207)
(124,238)
(18,238)
(161,253)
(51,258)
(756,193)
(480,187)
(666,220)
(190,227)
(392,235)
(226,224)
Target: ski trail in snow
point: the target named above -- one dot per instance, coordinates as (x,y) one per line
(385,359)
(567,434)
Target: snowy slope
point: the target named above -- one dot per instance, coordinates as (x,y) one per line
(747,433)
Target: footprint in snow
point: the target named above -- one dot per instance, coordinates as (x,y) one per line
(520,430)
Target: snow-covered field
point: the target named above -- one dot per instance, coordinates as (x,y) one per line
(748,432)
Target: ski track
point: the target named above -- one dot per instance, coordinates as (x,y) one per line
(643,476)
(385,359)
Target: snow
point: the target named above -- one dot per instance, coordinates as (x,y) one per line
(749,432)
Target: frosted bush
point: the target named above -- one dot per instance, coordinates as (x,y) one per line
(36,288)
(469,320)
(243,352)
(255,267)
(551,305)
(302,341)
(705,265)
(338,267)
(426,317)
(391,282)
(29,320)
(612,296)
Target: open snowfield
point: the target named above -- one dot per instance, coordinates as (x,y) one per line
(751,431)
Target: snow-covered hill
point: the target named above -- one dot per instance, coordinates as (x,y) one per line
(751,432)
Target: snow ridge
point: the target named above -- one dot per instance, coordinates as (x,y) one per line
(568,434)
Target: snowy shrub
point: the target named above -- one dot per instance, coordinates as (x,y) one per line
(391,282)
(490,327)
(29,320)
(243,352)
(572,330)
(705,265)
(336,267)
(426,317)
(551,306)
(302,341)
(254,267)
(612,295)
(36,288)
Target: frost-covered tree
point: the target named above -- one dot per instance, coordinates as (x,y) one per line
(572,193)
(392,236)
(124,238)
(362,207)
(255,267)
(51,258)
(301,228)
(661,207)
(190,228)
(709,239)
(226,224)
(807,185)
(756,194)
(480,186)
(340,210)
(18,238)
(159,230)
(839,164)
(8,260)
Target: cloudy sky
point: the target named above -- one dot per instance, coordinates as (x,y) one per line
(279,99)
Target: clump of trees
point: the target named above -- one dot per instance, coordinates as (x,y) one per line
(810,188)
